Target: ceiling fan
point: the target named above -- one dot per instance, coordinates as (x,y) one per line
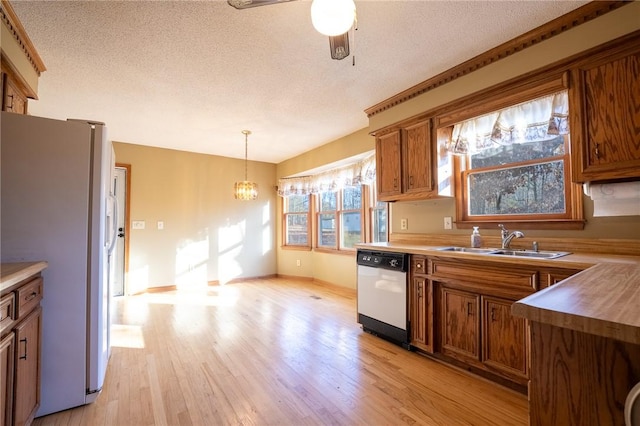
(333,18)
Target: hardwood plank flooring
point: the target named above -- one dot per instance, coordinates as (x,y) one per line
(274,352)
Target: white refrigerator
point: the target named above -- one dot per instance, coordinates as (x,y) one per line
(57,205)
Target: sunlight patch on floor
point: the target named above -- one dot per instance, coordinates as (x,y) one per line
(127,336)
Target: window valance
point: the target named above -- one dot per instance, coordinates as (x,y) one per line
(536,120)
(359,172)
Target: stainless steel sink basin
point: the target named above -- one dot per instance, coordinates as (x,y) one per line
(469,249)
(508,252)
(526,253)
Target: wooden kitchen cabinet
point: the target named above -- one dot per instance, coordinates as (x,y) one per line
(404,167)
(475,321)
(504,338)
(460,324)
(605,100)
(421,306)
(20,345)
(388,166)
(27,368)
(7,352)
(13,99)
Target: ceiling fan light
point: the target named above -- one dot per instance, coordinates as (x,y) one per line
(333,17)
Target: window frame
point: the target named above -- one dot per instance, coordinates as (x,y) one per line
(496,99)
(337,216)
(286,214)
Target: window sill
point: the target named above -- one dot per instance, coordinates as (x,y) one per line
(568,224)
(344,252)
(296,248)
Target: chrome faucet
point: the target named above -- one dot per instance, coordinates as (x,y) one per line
(507,237)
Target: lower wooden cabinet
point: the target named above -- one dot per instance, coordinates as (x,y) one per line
(7,353)
(504,342)
(421,313)
(27,368)
(20,349)
(460,324)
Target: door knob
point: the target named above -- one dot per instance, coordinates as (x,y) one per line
(120,234)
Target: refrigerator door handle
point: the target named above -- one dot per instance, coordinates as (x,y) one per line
(113,229)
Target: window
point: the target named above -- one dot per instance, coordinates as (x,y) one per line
(340,218)
(378,216)
(296,220)
(514,166)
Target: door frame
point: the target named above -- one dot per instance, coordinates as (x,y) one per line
(127,209)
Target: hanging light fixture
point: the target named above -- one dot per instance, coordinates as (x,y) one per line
(246,190)
(333,17)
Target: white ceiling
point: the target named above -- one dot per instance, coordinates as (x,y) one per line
(191,75)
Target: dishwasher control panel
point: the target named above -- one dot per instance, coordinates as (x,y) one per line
(385,260)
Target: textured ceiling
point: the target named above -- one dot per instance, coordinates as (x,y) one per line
(191,75)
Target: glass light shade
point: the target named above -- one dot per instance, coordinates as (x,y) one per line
(333,17)
(246,190)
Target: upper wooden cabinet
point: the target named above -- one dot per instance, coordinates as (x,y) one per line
(21,64)
(404,163)
(388,166)
(605,134)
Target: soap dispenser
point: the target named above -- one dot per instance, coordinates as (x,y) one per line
(476,239)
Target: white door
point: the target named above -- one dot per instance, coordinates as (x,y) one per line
(120,191)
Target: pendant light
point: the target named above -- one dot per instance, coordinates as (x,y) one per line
(246,190)
(333,17)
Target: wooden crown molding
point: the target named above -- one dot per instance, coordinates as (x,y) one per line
(9,17)
(552,28)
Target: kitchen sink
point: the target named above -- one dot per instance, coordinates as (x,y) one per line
(527,253)
(508,252)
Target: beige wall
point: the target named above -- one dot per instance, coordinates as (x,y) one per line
(207,235)
(333,268)
(427,216)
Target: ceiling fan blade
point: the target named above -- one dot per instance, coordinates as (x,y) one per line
(246,4)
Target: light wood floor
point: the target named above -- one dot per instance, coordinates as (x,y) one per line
(277,352)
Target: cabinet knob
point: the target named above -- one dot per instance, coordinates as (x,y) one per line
(419,265)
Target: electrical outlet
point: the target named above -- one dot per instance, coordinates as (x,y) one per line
(137,224)
(447,222)
(160,224)
(404,224)
(297,262)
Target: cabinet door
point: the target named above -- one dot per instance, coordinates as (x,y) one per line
(460,324)
(14,100)
(27,378)
(421,313)
(607,144)
(7,352)
(504,339)
(388,165)
(416,151)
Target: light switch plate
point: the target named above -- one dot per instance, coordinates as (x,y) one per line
(447,222)
(137,224)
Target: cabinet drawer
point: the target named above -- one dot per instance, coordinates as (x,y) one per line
(7,311)
(495,276)
(29,296)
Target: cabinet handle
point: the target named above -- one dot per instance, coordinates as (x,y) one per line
(493,314)
(395,183)
(469,309)
(31,296)
(597,151)
(411,181)
(25,348)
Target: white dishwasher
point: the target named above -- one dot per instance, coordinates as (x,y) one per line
(382,295)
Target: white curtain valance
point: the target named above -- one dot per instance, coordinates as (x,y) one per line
(360,172)
(536,120)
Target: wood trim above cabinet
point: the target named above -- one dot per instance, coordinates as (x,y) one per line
(9,17)
(553,28)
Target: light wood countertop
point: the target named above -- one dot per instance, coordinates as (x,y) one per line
(12,273)
(603,299)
